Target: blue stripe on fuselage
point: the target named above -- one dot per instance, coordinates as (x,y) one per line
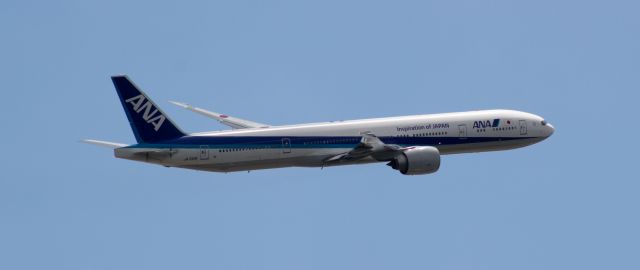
(310,142)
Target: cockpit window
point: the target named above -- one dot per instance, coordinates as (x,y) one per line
(544,123)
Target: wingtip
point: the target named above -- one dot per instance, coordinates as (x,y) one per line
(180,104)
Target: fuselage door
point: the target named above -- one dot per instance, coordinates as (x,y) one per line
(462,131)
(204,152)
(523,127)
(286,145)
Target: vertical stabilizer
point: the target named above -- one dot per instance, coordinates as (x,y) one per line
(148,122)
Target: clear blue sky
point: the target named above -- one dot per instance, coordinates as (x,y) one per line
(570,202)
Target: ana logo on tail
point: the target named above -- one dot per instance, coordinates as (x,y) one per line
(141,103)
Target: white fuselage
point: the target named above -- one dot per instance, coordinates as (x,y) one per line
(309,145)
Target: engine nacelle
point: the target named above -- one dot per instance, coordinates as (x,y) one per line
(417,160)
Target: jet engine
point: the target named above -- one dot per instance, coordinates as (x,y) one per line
(417,160)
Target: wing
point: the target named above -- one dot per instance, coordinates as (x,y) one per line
(369,145)
(233,122)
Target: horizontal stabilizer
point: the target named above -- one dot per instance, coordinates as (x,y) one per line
(232,122)
(111,145)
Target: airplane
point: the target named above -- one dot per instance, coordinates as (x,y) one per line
(412,145)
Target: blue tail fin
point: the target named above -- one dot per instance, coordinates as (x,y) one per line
(148,122)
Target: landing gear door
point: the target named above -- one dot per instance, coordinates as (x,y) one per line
(523,127)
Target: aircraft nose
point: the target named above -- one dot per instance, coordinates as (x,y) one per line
(550,130)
